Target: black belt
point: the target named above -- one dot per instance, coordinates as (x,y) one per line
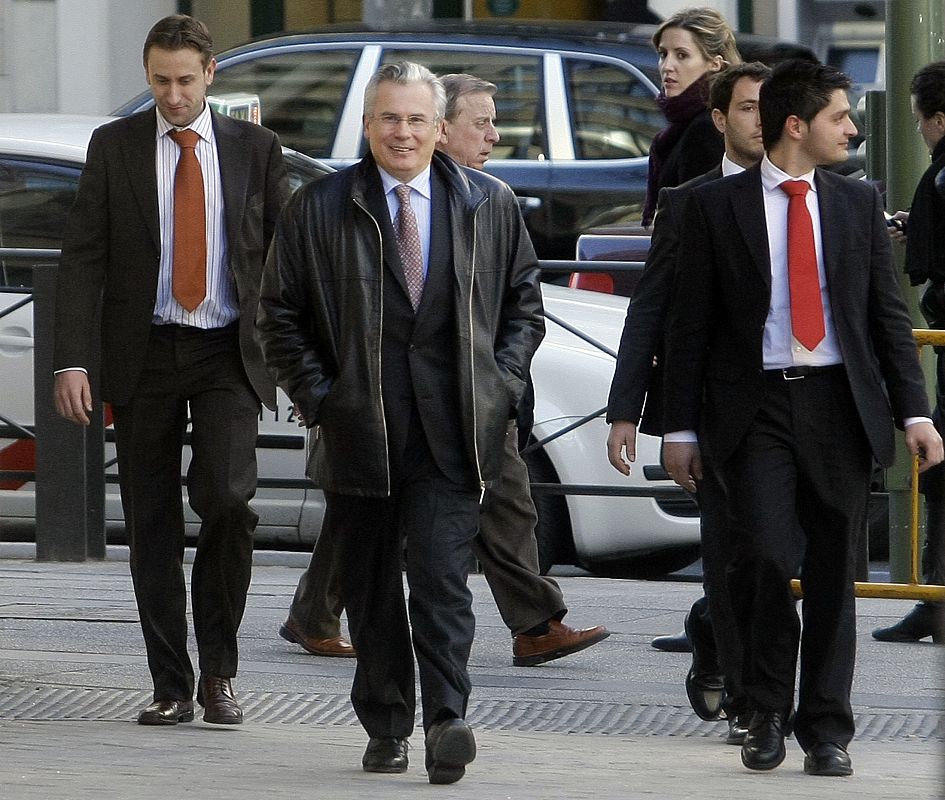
(796,373)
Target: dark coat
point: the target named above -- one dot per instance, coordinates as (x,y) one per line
(112,246)
(637,387)
(322,314)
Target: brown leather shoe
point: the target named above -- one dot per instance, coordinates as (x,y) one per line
(561,640)
(167,712)
(335,647)
(219,705)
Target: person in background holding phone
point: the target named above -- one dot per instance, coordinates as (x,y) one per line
(924,238)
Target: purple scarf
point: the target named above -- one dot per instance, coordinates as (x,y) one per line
(679,112)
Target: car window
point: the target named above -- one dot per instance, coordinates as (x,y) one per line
(301,94)
(35,199)
(614,113)
(519,109)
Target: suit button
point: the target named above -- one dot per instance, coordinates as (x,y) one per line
(411,347)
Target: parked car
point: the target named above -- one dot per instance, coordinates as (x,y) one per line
(41,157)
(575,104)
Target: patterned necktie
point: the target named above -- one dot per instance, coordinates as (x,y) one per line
(408,241)
(807,310)
(190,224)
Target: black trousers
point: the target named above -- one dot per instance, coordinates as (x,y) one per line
(200,370)
(713,611)
(437,519)
(803,469)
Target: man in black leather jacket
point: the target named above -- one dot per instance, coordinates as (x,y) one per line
(408,384)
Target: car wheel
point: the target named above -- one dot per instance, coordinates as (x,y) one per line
(650,567)
(553,531)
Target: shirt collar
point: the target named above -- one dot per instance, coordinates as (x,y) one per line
(729,167)
(420,182)
(772,177)
(202,125)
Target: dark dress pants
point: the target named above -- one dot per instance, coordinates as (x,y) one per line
(202,370)
(713,611)
(437,520)
(317,604)
(804,466)
(508,551)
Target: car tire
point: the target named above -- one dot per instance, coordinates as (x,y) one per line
(654,566)
(553,530)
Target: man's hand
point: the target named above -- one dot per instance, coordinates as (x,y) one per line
(73,396)
(683,462)
(923,441)
(897,231)
(622,438)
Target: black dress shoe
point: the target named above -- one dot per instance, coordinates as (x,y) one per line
(385,754)
(167,712)
(763,748)
(925,619)
(215,694)
(738,728)
(450,746)
(677,643)
(829,759)
(705,685)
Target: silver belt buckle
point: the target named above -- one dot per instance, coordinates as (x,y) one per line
(784,374)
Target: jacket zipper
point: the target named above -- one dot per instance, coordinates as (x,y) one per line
(472,351)
(380,334)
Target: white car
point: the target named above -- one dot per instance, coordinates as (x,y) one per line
(41,157)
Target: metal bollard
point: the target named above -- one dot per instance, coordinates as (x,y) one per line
(70,476)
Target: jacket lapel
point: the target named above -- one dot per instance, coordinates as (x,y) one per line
(748,206)
(833,217)
(234,173)
(140,153)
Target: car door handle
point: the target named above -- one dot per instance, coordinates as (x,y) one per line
(14,340)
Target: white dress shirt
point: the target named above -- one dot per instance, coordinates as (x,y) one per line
(221,306)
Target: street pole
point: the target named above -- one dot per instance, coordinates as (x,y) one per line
(914,37)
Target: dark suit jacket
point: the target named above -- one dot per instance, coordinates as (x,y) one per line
(112,246)
(718,313)
(419,370)
(637,387)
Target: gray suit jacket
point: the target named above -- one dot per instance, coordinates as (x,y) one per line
(112,246)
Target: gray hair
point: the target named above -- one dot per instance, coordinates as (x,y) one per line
(459,84)
(404,72)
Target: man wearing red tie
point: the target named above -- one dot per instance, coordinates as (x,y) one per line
(789,355)
(175,210)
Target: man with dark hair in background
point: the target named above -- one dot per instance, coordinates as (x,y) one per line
(925,261)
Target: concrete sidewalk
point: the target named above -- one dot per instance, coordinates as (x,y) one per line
(611,722)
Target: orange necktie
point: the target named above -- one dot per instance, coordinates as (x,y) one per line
(190,224)
(807,308)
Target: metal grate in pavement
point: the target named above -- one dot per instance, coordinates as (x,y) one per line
(48,703)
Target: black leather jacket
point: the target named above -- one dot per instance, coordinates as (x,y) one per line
(321,315)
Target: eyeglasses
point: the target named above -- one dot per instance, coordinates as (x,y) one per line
(416,122)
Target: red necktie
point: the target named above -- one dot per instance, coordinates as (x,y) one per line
(408,241)
(190,224)
(807,309)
